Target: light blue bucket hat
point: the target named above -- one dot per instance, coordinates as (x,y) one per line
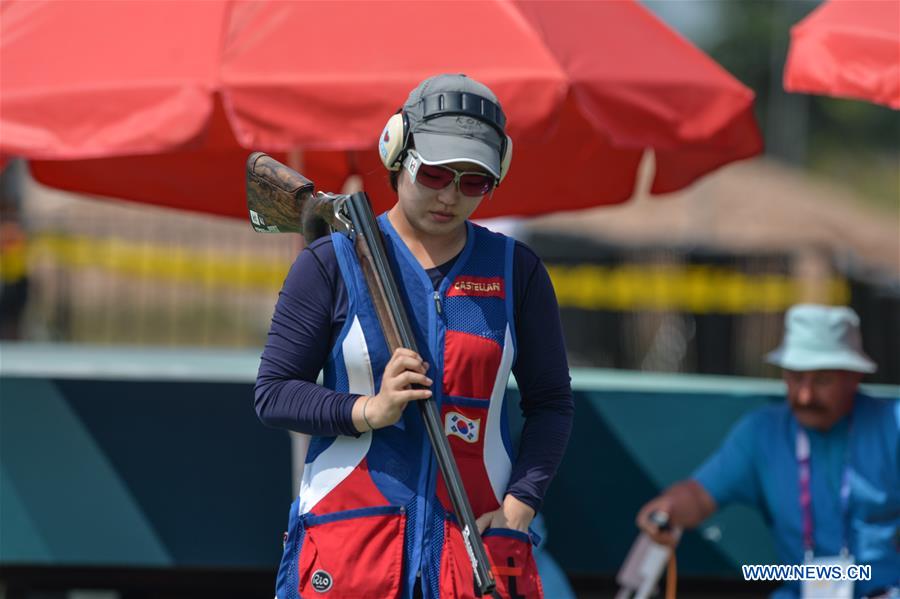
(821,338)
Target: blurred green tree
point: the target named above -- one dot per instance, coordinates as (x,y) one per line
(853,141)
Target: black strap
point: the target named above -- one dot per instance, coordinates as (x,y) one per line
(464,103)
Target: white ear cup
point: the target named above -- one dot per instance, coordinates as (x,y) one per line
(506,159)
(392,142)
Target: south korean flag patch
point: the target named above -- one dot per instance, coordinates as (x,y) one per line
(459,426)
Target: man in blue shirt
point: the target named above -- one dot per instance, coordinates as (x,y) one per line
(823,468)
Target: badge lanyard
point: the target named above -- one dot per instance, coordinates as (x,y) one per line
(802,451)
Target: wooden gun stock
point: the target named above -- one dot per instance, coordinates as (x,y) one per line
(281,200)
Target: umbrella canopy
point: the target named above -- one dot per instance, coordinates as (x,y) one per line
(161,102)
(848,49)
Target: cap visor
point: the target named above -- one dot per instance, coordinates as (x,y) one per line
(436,148)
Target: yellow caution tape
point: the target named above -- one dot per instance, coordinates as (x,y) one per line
(698,289)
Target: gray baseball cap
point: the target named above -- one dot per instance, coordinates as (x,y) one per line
(456,137)
(821,338)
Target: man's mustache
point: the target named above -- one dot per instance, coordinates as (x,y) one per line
(810,408)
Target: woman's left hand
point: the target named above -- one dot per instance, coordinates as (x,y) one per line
(513,514)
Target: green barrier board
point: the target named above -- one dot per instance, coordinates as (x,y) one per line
(155,458)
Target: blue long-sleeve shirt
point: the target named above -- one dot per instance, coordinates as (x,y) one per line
(311,311)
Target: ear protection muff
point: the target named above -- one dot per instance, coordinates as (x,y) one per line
(394,138)
(392,142)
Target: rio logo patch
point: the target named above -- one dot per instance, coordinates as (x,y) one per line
(321,581)
(457,425)
(477,286)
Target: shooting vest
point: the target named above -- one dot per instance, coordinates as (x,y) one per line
(373,513)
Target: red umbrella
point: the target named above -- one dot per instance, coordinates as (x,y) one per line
(848,49)
(160,102)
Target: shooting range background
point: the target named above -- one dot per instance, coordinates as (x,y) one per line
(151,463)
(143,318)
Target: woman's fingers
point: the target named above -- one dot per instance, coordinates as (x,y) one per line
(484,521)
(414,395)
(402,353)
(399,363)
(408,393)
(408,378)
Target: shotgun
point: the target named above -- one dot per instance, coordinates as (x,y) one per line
(281,200)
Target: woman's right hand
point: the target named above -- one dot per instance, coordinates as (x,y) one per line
(405,369)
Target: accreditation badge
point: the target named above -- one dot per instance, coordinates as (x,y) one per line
(826,587)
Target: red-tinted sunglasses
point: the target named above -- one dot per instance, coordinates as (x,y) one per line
(435,176)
